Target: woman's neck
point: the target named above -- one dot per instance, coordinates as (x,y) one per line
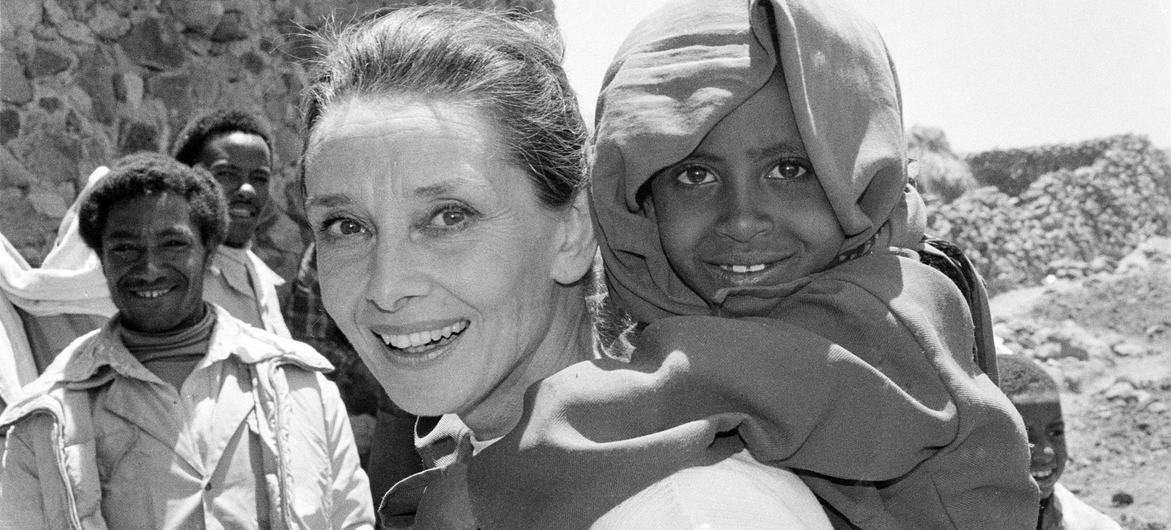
(569,340)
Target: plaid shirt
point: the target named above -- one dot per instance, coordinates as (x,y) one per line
(309,323)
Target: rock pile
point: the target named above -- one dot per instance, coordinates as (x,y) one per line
(1067,223)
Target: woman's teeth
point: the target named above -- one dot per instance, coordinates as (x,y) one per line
(742,269)
(420,338)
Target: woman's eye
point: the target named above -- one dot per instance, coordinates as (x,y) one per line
(342,227)
(449,217)
(790,170)
(694,176)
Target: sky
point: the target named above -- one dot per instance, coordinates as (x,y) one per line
(989,73)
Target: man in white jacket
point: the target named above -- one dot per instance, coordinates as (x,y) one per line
(175,413)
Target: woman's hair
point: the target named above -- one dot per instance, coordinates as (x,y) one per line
(189,143)
(143,174)
(505,65)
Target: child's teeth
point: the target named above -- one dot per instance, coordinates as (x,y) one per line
(741,269)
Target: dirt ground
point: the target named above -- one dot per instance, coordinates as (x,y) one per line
(1106,339)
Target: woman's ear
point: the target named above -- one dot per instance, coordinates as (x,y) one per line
(575,241)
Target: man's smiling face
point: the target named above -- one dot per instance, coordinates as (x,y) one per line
(153,258)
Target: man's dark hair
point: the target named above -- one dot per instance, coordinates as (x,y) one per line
(143,174)
(190,141)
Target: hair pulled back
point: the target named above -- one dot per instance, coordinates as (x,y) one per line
(505,65)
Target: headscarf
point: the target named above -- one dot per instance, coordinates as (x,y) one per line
(685,68)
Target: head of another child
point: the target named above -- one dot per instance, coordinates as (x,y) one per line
(236,148)
(1034,393)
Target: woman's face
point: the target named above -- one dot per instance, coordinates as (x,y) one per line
(434,256)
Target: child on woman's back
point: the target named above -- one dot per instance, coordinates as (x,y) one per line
(752,207)
(750,164)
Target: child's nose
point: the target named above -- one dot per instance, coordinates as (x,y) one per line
(744,218)
(1042,453)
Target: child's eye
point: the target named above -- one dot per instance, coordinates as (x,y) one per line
(790,170)
(694,176)
(450,217)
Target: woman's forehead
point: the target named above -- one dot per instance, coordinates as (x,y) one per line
(394,118)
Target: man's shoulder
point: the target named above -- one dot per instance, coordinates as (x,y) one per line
(44,394)
(255,345)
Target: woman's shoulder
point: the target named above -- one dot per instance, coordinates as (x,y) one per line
(750,495)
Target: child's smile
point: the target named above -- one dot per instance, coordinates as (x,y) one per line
(745,208)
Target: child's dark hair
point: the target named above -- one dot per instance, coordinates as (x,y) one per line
(143,174)
(198,132)
(1022,379)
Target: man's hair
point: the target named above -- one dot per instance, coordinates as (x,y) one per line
(1022,379)
(190,141)
(143,174)
(507,66)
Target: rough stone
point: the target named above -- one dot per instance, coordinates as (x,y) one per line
(173,90)
(287,145)
(9,125)
(55,13)
(47,203)
(21,15)
(153,43)
(96,78)
(129,88)
(1128,349)
(252,62)
(23,227)
(51,57)
(50,103)
(53,158)
(233,26)
(200,16)
(107,23)
(14,86)
(12,172)
(135,135)
(77,32)
(205,84)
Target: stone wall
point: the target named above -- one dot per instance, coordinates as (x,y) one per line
(83,82)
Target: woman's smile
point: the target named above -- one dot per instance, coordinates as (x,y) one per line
(429,337)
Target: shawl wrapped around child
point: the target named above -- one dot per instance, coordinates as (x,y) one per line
(861,377)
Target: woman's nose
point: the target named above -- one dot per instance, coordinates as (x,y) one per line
(396,277)
(744,215)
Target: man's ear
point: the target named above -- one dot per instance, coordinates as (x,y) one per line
(575,242)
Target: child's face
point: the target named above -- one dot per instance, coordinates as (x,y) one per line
(1046,432)
(745,208)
